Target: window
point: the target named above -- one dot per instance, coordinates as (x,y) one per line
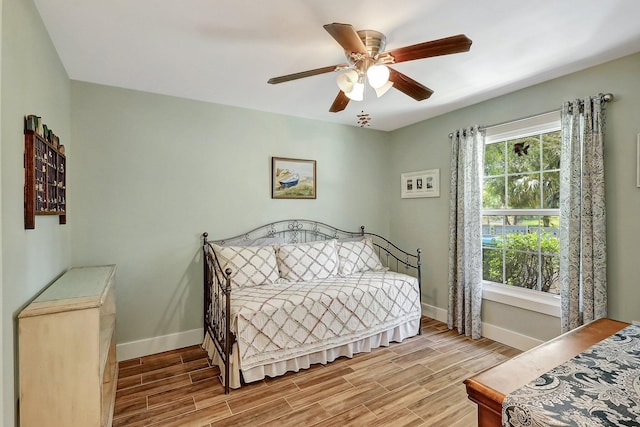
(520,216)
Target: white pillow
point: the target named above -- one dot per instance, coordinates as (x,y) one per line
(308,261)
(355,257)
(250,265)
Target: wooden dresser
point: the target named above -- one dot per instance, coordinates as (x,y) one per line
(489,388)
(68,368)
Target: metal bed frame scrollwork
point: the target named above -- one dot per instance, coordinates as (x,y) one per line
(217,283)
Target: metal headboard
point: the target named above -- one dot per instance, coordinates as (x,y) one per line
(303,230)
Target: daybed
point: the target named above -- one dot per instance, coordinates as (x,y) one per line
(294,293)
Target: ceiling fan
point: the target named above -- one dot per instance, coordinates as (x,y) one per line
(368,61)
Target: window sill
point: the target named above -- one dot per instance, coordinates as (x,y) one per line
(522,298)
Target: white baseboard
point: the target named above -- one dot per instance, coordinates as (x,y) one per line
(493,332)
(145,347)
(433,312)
(510,338)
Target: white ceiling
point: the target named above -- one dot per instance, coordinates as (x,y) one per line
(224,51)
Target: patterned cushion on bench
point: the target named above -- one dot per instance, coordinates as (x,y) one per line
(308,261)
(250,265)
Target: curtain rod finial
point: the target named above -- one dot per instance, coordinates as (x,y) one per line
(607,97)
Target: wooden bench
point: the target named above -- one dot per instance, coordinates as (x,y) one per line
(489,388)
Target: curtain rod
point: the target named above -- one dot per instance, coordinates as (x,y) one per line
(606,97)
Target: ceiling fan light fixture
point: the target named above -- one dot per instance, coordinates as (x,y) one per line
(378,76)
(357,93)
(347,80)
(383,89)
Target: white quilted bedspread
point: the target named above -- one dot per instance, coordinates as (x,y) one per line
(279,321)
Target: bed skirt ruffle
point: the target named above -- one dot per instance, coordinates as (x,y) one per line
(365,345)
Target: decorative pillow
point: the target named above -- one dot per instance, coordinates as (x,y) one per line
(308,261)
(355,257)
(250,265)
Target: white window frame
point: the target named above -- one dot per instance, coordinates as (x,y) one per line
(527,299)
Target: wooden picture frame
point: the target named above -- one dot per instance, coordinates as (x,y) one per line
(420,184)
(293,178)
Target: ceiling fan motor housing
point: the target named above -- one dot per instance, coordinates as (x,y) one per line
(374,42)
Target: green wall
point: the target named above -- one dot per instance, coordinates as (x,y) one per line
(152,172)
(33,82)
(426,145)
(149,173)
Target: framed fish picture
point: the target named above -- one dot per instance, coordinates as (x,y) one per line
(293,178)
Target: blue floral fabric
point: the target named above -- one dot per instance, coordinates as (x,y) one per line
(598,387)
(583,236)
(465,231)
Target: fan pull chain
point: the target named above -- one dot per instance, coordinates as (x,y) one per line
(364,119)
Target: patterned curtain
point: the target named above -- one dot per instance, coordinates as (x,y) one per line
(465,231)
(583,256)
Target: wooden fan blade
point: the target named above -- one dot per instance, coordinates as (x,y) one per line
(340,103)
(446,46)
(408,86)
(347,37)
(309,73)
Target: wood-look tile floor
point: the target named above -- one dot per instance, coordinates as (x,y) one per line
(414,383)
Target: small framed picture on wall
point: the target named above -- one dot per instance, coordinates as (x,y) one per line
(420,184)
(293,178)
